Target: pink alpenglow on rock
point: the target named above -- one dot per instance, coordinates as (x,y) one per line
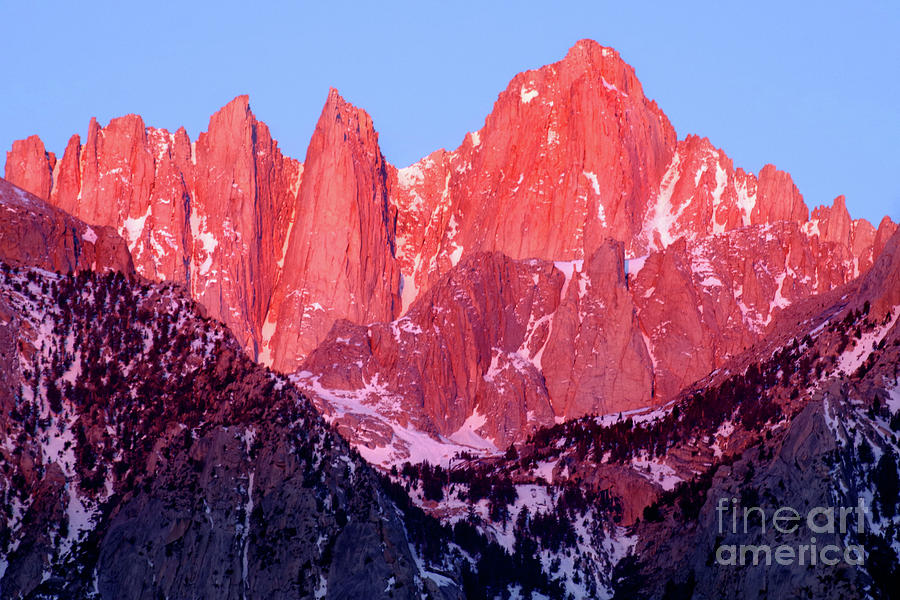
(573,256)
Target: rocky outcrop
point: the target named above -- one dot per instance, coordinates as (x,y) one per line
(596,361)
(702,301)
(460,361)
(688,557)
(881,285)
(820,456)
(30,166)
(568,148)
(243,204)
(567,338)
(574,151)
(339,261)
(213,215)
(37,234)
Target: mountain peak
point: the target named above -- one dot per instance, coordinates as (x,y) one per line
(341,247)
(235,118)
(352,119)
(591,50)
(30,166)
(334,96)
(238,105)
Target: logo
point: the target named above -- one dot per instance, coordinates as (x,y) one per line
(786,520)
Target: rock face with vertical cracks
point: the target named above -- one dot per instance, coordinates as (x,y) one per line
(340,257)
(702,255)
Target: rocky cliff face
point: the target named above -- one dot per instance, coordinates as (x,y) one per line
(573,152)
(672,259)
(497,348)
(34,233)
(569,149)
(500,355)
(212,215)
(807,417)
(339,261)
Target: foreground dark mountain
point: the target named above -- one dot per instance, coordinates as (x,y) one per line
(836,446)
(144,455)
(35,233)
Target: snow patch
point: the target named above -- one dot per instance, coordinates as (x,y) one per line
(207,241)
(612,87)
(408,292)
(544,470)
(592,177)
(811,228)
(410,176)
(526,95)
(468,435)
(657,472)
(779,301)
(568,268)
(633,266)
(457,250)
(132,228)
(375,402)
(702,268)
(295,191)
(295,185)
(745,201)
(595,185)
(893,399)
(851,359)
(662,219)
(268,331)
(89,235)
(721,181)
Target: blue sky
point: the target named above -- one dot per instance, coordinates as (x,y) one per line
(812,87)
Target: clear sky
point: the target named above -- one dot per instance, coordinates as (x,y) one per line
(812,87)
